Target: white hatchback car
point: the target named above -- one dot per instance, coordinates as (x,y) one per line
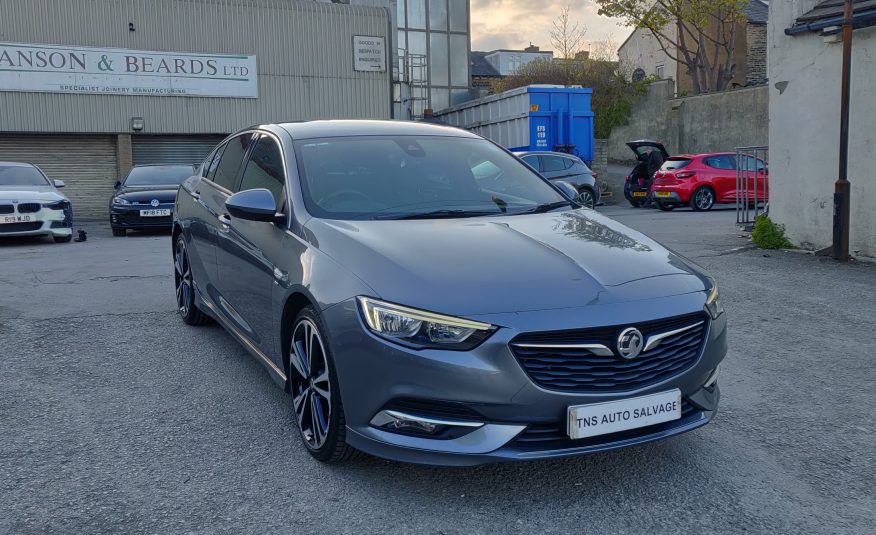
(31,205)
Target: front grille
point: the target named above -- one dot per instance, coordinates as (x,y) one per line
(555,434)
(580,370)
(29,207)
(20,227)
(6,209)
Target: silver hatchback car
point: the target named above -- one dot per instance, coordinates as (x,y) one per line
(425,296)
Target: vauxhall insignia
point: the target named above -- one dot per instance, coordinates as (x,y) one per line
(630,343)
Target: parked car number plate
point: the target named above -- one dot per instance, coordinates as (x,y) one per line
(16,219)
(613,416)
(640,194)
(664,193)
(158,212)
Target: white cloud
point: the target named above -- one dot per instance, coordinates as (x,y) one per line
(516,23)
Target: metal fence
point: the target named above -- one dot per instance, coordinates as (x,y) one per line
(752,183)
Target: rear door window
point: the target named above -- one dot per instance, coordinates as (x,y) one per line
(265,169)
(231,160)
(719,162)
(552,164)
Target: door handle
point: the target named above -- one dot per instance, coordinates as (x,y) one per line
(225,219)
(196,196)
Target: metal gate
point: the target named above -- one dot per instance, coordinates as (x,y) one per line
(752,183)
(172,149)
(86,163)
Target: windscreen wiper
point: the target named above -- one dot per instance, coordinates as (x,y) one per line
(439,214)
(547,207)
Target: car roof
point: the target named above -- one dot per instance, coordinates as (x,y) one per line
(343,128)
(164,165)
(17,164)
(552,153)
(700,155)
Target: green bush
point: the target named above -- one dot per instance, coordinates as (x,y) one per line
(769,235)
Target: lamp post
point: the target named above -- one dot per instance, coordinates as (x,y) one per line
(842,187)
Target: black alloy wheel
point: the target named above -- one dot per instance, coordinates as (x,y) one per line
(185,287)
(316,399)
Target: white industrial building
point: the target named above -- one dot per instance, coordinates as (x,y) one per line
(805,61)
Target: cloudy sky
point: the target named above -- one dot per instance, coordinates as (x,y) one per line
(515,23)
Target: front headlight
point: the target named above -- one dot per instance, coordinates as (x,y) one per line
(713,303)
(421,329)
(121,201)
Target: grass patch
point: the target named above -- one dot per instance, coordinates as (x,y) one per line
(769,235)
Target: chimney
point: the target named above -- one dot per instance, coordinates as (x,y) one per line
(531,48)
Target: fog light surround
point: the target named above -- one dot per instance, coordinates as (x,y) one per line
(401,422)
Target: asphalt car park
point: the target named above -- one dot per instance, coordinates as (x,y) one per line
(119,418)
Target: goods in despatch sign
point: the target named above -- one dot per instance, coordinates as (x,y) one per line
(114,71)
(369,53)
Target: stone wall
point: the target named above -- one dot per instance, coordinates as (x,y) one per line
(703,123)
(756,56)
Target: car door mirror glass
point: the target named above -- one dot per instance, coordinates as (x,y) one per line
(252,205)
(58,183)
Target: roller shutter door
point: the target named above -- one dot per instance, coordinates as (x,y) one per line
(172,149)
(87,164)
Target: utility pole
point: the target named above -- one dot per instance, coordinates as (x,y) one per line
(842,187)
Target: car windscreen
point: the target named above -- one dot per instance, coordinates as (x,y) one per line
(159,175)
(19,175)
(389,177)
(674,164)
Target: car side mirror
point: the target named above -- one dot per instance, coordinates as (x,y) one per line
(568,190)
(254,205)
(58,183)
(118,184)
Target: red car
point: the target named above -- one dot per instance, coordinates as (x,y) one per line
(703,180)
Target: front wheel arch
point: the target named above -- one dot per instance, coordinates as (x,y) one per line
(295,303)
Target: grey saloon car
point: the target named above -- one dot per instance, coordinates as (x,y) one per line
(425,296)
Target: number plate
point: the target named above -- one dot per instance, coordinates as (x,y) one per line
(613,416)
(16,218)
(640,194)
(159,212)
(664,193)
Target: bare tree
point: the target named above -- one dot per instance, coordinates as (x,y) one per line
(567,38)
(705,38)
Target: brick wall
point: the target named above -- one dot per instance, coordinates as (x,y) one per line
(600,167)
(756,53)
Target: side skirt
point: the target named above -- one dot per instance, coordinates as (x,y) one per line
(276,373)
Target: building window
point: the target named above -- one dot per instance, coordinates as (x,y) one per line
(439,67)
(659,71)
(459,15)
(438,15)
(417,14)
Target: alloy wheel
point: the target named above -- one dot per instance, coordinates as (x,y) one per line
(311,388)
(585,197)
(704,198)
(183,276)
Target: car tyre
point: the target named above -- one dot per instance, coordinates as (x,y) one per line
(313,385)
(63,239)
(185,287)
(586,197)
(665,207)
(703,199)
(119,232)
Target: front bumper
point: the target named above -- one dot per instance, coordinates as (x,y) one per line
(523,421)
(128,217)
(44,222)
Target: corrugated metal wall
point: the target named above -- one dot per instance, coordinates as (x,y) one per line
(503,118)
(172,149)
(304,49)
(86,163)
